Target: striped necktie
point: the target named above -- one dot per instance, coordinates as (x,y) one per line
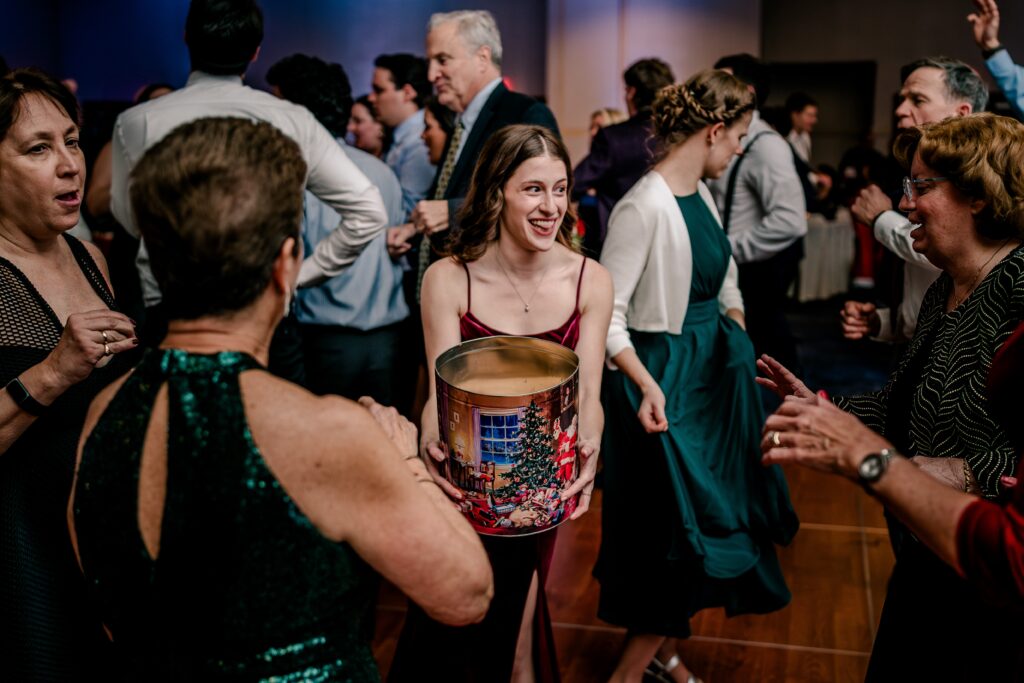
(442,186)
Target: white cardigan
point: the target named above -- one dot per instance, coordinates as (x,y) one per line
(647,251)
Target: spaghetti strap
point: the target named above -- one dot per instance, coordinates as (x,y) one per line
(579,282)
(469,288)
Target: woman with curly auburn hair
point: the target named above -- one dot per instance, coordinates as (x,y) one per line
(690,518)
(511,270)
(965,196)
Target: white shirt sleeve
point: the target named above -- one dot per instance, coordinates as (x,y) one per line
(625,256)
(892,230)
(336,181)
(120,167)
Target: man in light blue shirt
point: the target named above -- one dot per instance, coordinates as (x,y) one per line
(399,90)
(1007,75)
(349,325)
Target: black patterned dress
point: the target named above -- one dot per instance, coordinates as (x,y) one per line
(47,631)
(935,404)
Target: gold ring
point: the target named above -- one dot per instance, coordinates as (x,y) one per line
(106,349)
(776,441)
(105,337)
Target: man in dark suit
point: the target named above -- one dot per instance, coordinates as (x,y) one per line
(464,51)
(620,154)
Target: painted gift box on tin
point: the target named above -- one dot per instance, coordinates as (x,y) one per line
(507,412)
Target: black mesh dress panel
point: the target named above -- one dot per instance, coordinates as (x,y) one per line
(47,632)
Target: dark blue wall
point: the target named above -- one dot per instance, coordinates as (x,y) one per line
(112,47)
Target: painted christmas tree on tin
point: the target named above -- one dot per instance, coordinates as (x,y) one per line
(535,465)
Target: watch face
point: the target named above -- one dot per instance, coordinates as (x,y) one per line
(871,467)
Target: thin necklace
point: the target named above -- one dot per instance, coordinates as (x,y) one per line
(526,304)
(977,276)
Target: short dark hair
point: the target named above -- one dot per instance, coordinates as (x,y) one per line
(799,101)
(751,71)
(15,85)
(322,88)
(963,83)
(407,69)
(215,201)
(146,94)
(223,35)
(647,77)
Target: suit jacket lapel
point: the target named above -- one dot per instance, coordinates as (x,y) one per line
(471,150)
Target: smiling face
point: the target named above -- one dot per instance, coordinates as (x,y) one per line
(944,216)
(433,137)
(456,73)
(535,201)
(924,99)
(726,144)
(42,170)
(367,133)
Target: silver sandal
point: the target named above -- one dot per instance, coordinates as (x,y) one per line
(658,671)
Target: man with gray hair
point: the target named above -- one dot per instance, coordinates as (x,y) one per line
(934,88)
(464,55)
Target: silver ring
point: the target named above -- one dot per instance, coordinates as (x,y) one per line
(828,443)
(106,349)
(776,441)
(105,337)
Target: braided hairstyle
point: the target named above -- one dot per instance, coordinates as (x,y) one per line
(708,97)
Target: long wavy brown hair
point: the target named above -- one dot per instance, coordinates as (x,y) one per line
(479,219)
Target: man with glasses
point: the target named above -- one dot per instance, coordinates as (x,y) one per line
(934,88)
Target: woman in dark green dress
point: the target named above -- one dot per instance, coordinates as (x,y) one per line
(229,523)
(690,516)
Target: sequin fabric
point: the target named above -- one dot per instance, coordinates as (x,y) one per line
(244,587)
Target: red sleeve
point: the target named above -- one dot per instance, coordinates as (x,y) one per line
(990,545)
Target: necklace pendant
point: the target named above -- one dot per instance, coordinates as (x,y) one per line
(526,308)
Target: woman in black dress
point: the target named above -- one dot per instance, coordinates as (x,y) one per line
(964,193)
(58,334)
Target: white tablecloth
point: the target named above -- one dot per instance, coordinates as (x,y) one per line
(829,248)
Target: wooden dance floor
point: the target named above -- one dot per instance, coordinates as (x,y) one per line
(837,568)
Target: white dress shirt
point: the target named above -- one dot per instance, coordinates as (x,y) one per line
(331,175)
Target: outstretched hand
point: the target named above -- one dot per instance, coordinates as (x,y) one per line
(985,24)
(815,433)
(780,380)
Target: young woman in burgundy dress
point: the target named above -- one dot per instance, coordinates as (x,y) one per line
(512,270)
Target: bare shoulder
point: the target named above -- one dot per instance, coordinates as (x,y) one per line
(295,413)
(97,256)
(444,271)
(445,285)
(596,287)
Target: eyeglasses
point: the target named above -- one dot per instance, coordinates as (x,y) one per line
(908,185)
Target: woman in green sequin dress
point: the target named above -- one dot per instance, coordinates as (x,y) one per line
(690,517)
(230,524)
